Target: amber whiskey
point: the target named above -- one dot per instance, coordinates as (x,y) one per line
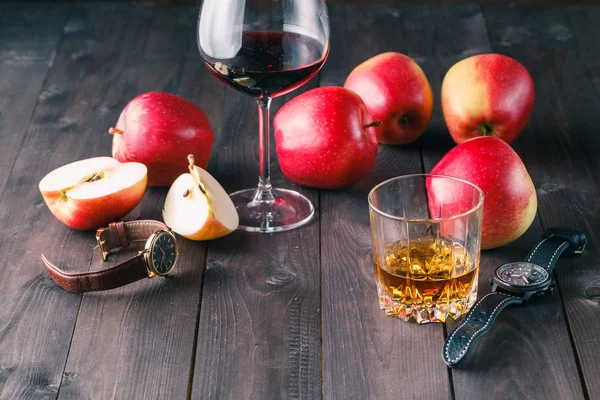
(426,278)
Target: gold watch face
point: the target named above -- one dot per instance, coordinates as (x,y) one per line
(162,254)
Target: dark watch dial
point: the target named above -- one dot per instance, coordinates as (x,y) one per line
(522,274)
(163,252)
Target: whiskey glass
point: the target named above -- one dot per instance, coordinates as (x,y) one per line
(426,234)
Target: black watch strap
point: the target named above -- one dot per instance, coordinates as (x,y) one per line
(554,242)
(476,324)
(479,320)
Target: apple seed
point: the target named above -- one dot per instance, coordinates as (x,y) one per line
(96,176)
(221,68)
(187,191)
(245,81)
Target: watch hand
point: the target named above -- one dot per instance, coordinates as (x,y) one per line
(525,279)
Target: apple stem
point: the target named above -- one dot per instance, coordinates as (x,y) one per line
(194,174)
(192,162)
(374,123)
(486,130)
(112,131)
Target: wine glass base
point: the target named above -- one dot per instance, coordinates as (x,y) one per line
(288,210)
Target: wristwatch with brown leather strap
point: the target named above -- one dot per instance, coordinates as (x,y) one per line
(158,257)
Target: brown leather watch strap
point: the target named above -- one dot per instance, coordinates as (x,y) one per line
(116,235)
(130,271)
(121,234)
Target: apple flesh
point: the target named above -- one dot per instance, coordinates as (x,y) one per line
(159,130)
(325,138)
(91,193)
(487,95)
(198,208)
(396,92)
(510,201)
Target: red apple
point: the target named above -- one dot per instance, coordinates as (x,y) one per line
(159,130)
(487,95)
(396,92)
(198,208)
(91,193)
(324,138)
(510,200)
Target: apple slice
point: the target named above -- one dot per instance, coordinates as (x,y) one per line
(198,208)
(91,193)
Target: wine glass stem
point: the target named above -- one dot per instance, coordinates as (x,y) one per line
(264,191)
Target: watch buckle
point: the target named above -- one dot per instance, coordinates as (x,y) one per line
(581,248)
(102,243)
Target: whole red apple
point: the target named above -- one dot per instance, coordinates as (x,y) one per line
(91,193)
(487,95)
(510,200)
(324,138)
(396,92)
(159,130)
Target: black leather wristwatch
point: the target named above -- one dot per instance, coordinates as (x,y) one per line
(512,283)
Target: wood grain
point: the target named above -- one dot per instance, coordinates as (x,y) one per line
(260,316)
(142,335)
(33,344)
(560,148)
(536,332)
(367,354)
(28,39)
(190,3)
(173,34)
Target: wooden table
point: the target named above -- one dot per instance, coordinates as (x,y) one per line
(291,315)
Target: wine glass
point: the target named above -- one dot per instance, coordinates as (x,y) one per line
(265,48)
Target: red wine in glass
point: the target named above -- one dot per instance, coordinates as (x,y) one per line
(264,49)
(270,64)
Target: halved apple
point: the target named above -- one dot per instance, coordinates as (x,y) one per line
(91,193)
(198,208)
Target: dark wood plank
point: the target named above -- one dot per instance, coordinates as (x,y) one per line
(136,342)
(558,47)
(173,34)
(28,40)
(94,76)
(493,367)
(31,356)
(29,32)
(143,334)
(189,3)
(259,330)
(367,354)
